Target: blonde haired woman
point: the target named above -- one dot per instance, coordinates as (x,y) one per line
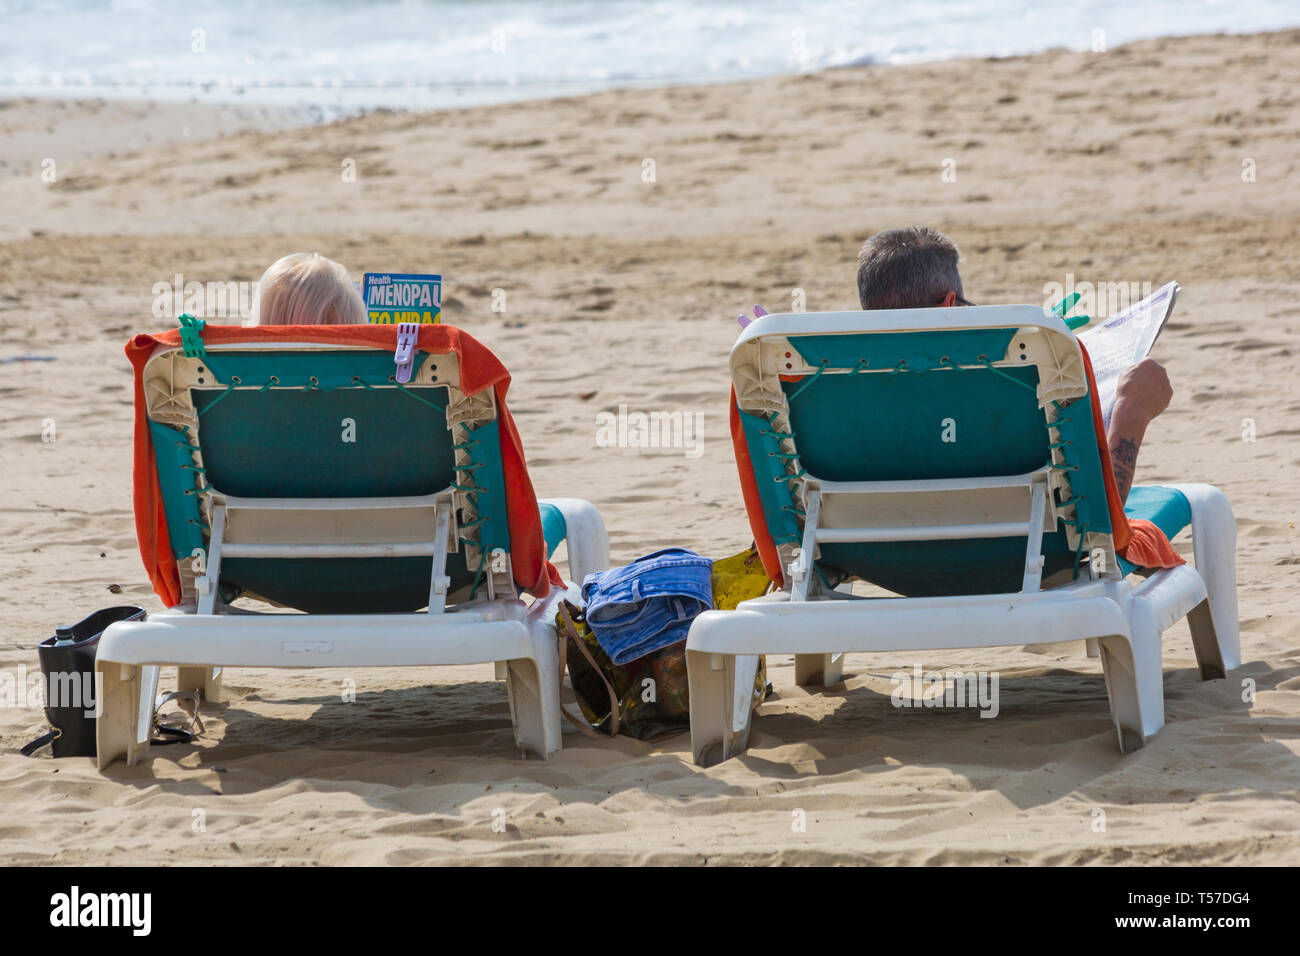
(305,288)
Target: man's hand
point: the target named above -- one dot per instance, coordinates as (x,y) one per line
(1142,394)
(1144,390)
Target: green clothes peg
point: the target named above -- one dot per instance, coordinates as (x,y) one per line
(192,336)
(1065,305)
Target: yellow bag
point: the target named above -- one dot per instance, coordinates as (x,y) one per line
(741,578)
(738,578)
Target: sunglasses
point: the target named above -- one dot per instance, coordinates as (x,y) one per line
(961,301)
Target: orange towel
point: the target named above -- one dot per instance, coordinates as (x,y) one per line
(479,369)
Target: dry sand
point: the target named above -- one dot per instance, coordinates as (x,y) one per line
(1124,166)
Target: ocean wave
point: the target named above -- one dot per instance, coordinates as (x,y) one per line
(355,55)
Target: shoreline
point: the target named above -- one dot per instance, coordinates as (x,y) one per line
(288,92)
(244,115)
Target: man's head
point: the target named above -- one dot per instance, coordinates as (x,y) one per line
(912,268)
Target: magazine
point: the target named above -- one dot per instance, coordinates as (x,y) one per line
(393,297)
(1125,339)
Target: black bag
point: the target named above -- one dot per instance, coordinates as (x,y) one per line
(68,671)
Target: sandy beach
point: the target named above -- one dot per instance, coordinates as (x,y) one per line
(626,230)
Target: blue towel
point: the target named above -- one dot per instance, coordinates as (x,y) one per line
(554,528)
(1166,508)
(649,604)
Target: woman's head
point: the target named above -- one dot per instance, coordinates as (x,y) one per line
(305,288)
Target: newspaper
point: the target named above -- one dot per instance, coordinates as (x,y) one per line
(1124,339)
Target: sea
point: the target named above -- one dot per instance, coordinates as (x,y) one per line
(336,57)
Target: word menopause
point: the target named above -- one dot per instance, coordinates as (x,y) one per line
(391,298)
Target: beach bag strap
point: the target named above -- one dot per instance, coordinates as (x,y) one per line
(45,738)
(163,734)
(570,632)
(168,734)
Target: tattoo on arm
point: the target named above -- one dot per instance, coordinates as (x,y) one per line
(1123,461)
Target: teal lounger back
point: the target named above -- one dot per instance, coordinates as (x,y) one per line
(924,418)
(327,424)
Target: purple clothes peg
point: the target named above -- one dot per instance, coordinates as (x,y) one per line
(745,320)
(408,334)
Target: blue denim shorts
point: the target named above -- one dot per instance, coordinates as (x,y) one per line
(649,604)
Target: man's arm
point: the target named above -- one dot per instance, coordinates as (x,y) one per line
(1142,394)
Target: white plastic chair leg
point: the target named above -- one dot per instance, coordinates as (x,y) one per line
(1092,647)
(1122,692)
(1214,544)
(1209,655)
(721,702)
(1135,678)
(533,685)
(206,680)
(120,703)
(818,670)
(821,670)
(709,710)
(585,536)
